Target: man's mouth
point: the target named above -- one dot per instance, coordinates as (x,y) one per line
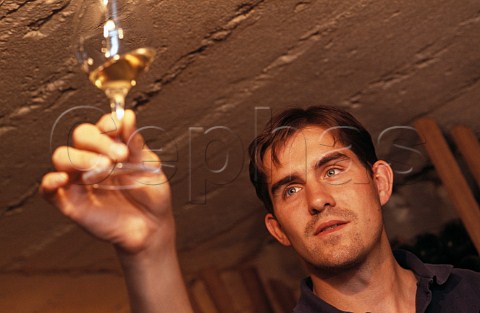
(330,227)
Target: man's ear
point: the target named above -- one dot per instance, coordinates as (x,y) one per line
(383,178)
(275,229)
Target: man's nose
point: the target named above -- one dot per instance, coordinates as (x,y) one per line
(319,197)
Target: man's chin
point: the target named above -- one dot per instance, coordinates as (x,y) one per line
(338,261)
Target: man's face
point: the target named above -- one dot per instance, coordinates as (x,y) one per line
(326,204)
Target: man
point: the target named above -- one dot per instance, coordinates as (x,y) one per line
(317,174)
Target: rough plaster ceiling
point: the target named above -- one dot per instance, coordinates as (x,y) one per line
(221,63)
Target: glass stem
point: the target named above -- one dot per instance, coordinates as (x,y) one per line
(117,103)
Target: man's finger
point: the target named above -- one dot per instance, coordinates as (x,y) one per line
(71,160)
(51,182)
(138,150)
(109,125)
(89,137)
(129,125)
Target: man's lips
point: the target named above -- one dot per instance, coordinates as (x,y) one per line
(329,227)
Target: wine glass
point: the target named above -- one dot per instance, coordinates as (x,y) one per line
(111,42)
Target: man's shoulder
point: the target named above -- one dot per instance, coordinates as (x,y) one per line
(440,273)
(459,293)
(466,276)
(446,272)
(451,289)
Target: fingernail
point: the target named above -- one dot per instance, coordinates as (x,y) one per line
(61,178)
(119,150)
(102,162)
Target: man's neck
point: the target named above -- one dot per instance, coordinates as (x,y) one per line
(379,284)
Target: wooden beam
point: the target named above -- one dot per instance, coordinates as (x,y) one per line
(467,143)
(202,297)
(284,297)
(193,301)
(256,290)
(217,290)
(451,176)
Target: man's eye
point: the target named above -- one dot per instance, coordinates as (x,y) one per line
(291,190)
(332,172)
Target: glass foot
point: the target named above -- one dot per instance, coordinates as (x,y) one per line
(124,176)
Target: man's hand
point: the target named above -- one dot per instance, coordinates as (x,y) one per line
(138,222)
(131,219)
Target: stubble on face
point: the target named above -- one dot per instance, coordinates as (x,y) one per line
(335,252)
(346,247)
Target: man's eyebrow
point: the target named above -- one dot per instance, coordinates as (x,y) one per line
(284,181)
(334,156)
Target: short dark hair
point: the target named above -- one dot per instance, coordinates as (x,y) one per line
(345,128)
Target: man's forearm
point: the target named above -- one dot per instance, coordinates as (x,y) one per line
(155,283)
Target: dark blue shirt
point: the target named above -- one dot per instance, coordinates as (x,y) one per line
(440,289)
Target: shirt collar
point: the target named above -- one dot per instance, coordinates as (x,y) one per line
(310,303)
(427,273)
(438,273)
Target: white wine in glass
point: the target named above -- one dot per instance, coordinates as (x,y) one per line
(117,75)
(111,44)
